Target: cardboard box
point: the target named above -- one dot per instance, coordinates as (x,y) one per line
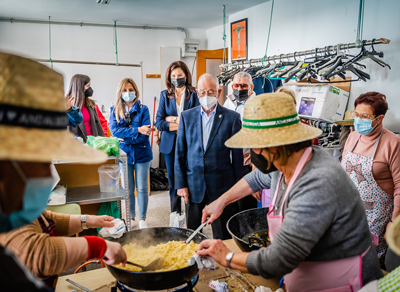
(327,102)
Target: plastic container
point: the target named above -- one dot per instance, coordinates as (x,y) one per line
(109,175)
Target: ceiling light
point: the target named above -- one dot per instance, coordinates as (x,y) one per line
(103,1)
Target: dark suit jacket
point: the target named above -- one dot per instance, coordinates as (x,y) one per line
(167,107)
(214,169)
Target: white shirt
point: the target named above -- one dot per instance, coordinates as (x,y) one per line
(207,122)
(179,107)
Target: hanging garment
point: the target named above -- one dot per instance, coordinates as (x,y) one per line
(378,204)
(343,275)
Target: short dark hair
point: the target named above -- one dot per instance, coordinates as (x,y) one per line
(185,69)
(376,100)
(285,151)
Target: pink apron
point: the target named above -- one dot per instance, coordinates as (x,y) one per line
(343,275)
(378,204)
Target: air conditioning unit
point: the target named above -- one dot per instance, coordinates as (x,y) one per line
(190,47)
(103,1)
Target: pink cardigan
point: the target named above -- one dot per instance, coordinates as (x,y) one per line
(386,165)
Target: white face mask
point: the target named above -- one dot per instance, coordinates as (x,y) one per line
(208,101)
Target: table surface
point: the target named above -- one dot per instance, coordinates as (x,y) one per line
(96,278)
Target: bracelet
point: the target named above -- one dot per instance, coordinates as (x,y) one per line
(155,135)
(97,247)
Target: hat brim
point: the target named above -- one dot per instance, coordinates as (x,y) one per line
(38,145)
(393,236)
(264,138)
(345,122)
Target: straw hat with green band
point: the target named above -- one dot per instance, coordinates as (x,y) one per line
(270,120)
(348,119)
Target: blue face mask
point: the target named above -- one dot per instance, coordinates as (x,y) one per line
(362,126)
(36,195)
(129,96)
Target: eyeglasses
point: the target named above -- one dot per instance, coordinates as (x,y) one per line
(362,116)
(243,86)
(210,92)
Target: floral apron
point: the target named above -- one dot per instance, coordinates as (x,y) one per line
(378,204)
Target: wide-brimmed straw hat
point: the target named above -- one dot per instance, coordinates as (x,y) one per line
(33,119)
(270,120)
(393,236)
(348,119)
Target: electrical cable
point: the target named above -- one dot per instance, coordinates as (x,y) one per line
(225,59)
(360,24)
(115,41)
(269,32)
(50,60)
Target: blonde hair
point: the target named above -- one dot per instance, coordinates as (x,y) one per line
(119,108)
(288,91)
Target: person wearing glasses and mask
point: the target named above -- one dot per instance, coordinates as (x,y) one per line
(371,159)
(93,123)
(179,96)
(204,167)
(242,87)
(130,123)
(320,240)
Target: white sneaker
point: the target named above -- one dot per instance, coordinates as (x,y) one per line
(133,223)
(142,224)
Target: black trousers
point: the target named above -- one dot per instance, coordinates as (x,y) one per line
(175,200)
(194,213)
(248,202)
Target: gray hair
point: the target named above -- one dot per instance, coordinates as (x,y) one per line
(245,75)
(208,76)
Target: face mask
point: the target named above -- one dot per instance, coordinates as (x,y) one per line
(34,201)
(363,127)
(241,95)
(129,96)
(208,101)
(261,163)
(178,82)
(89,92)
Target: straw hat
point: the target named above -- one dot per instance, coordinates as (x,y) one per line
(270,120)
(393,236)
(348,119)
(33,120)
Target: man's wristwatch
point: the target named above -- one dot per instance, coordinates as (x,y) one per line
(175,118)
(228,259)
(83,222)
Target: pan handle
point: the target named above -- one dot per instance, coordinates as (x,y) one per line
(258,242)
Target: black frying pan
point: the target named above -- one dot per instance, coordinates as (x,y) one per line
(156,280)
(246,223)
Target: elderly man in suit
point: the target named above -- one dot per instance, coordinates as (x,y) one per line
(204,167)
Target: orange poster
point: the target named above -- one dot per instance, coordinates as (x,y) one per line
(239,40)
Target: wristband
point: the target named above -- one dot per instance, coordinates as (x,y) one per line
(97,247)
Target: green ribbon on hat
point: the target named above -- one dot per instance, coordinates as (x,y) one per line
(271,123)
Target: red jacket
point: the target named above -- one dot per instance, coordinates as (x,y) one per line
(103,121)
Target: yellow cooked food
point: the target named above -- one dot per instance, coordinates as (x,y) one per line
(174,255)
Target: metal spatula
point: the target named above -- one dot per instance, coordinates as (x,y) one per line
(150,267)
(196,231)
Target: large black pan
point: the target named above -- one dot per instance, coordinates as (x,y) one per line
(245,223)
(156,280)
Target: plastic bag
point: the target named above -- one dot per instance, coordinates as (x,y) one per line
(110,209)
(203,262)
(109,145)
(115,232)
(176,220)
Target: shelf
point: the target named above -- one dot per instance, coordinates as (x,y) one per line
(122,156)
(92,195)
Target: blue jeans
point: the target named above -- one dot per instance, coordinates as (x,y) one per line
(141,172)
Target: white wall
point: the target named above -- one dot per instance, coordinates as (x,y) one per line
(302,25)
(96,44)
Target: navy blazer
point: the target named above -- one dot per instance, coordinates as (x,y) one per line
(214,169)
(167,107)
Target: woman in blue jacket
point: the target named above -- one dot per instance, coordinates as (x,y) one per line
(180,95)
(130,123)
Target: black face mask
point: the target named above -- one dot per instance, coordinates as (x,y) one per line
(261,163)
(89,92)
(241,95)
(178,82)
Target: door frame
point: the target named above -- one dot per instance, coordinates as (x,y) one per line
(203,55)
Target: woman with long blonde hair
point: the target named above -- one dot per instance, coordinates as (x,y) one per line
(130,123)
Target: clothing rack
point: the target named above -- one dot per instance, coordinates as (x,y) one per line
(306,53)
